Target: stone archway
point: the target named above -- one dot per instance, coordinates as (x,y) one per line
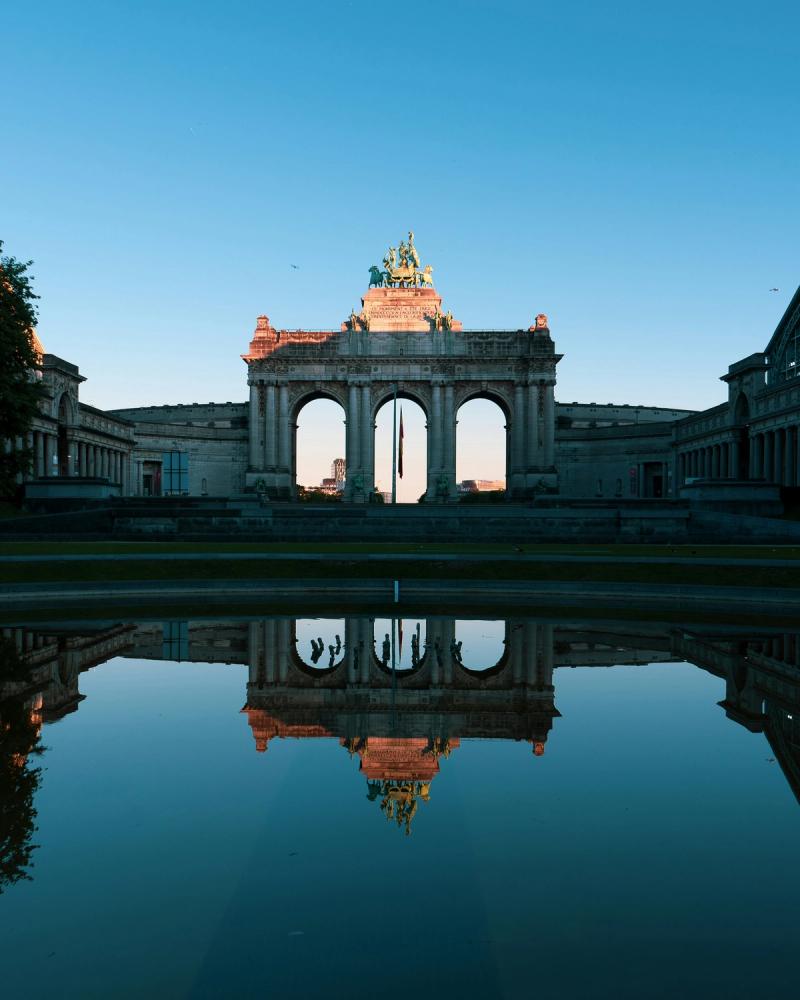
(417,414)
(503,406)
(402,343)
(337,449)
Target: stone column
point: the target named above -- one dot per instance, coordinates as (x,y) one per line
(270,428)
(449,441)
(532,456)
(366,649)
(715,462)
(284,431)
(255,653)
(367,429)
(283,641)
(49,451)
(530,655)
(255,454)
(435,441)
(514,636)
(516,478)
(350,647)
(39,466)
(447,634)
(788,457)
(546,672)
(797,457)
(776,456)
(549,425)
(352,456)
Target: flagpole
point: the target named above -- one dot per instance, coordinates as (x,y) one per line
(394,447)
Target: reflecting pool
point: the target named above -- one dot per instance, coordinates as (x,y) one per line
(431,806)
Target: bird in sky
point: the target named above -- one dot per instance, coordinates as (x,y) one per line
(774,289)
(297,268)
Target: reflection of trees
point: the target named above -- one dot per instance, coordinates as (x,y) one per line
(19,740)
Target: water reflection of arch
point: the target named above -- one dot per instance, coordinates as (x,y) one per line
(299,662)
(386,629)
(500,664)
(526,661)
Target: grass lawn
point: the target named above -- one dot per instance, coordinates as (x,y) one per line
(349,567)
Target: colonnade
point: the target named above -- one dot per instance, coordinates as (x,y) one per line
(78,458)
(772,455)
(718,461)
(528,406)
(775,456)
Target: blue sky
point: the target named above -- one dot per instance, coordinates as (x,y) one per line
(629,169)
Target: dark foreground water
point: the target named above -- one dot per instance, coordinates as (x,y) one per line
(549,810)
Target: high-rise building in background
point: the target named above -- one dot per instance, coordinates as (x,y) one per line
(338,469)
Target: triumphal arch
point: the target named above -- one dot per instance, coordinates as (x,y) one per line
(401,341)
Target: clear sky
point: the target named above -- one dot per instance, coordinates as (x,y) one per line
(630,169)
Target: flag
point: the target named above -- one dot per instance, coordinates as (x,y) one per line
(400,447)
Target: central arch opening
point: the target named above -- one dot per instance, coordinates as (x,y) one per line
(319,450)
(481,450)
(413,483)
(400,642)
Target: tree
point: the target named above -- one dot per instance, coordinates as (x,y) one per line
(19,781)
(20,390)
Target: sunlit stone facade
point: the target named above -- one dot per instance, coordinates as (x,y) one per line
(438,369)
(572,450)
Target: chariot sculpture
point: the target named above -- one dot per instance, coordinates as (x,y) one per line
(403,269)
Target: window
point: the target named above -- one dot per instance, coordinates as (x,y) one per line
(175,473)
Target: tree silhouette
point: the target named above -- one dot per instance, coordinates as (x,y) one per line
(19,742)
(20,391)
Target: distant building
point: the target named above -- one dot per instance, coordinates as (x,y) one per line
(338,470)
(481,485)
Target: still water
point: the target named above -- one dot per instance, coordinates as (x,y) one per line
(372,807)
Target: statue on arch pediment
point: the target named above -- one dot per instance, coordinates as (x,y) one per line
(405,272)
(540,324)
